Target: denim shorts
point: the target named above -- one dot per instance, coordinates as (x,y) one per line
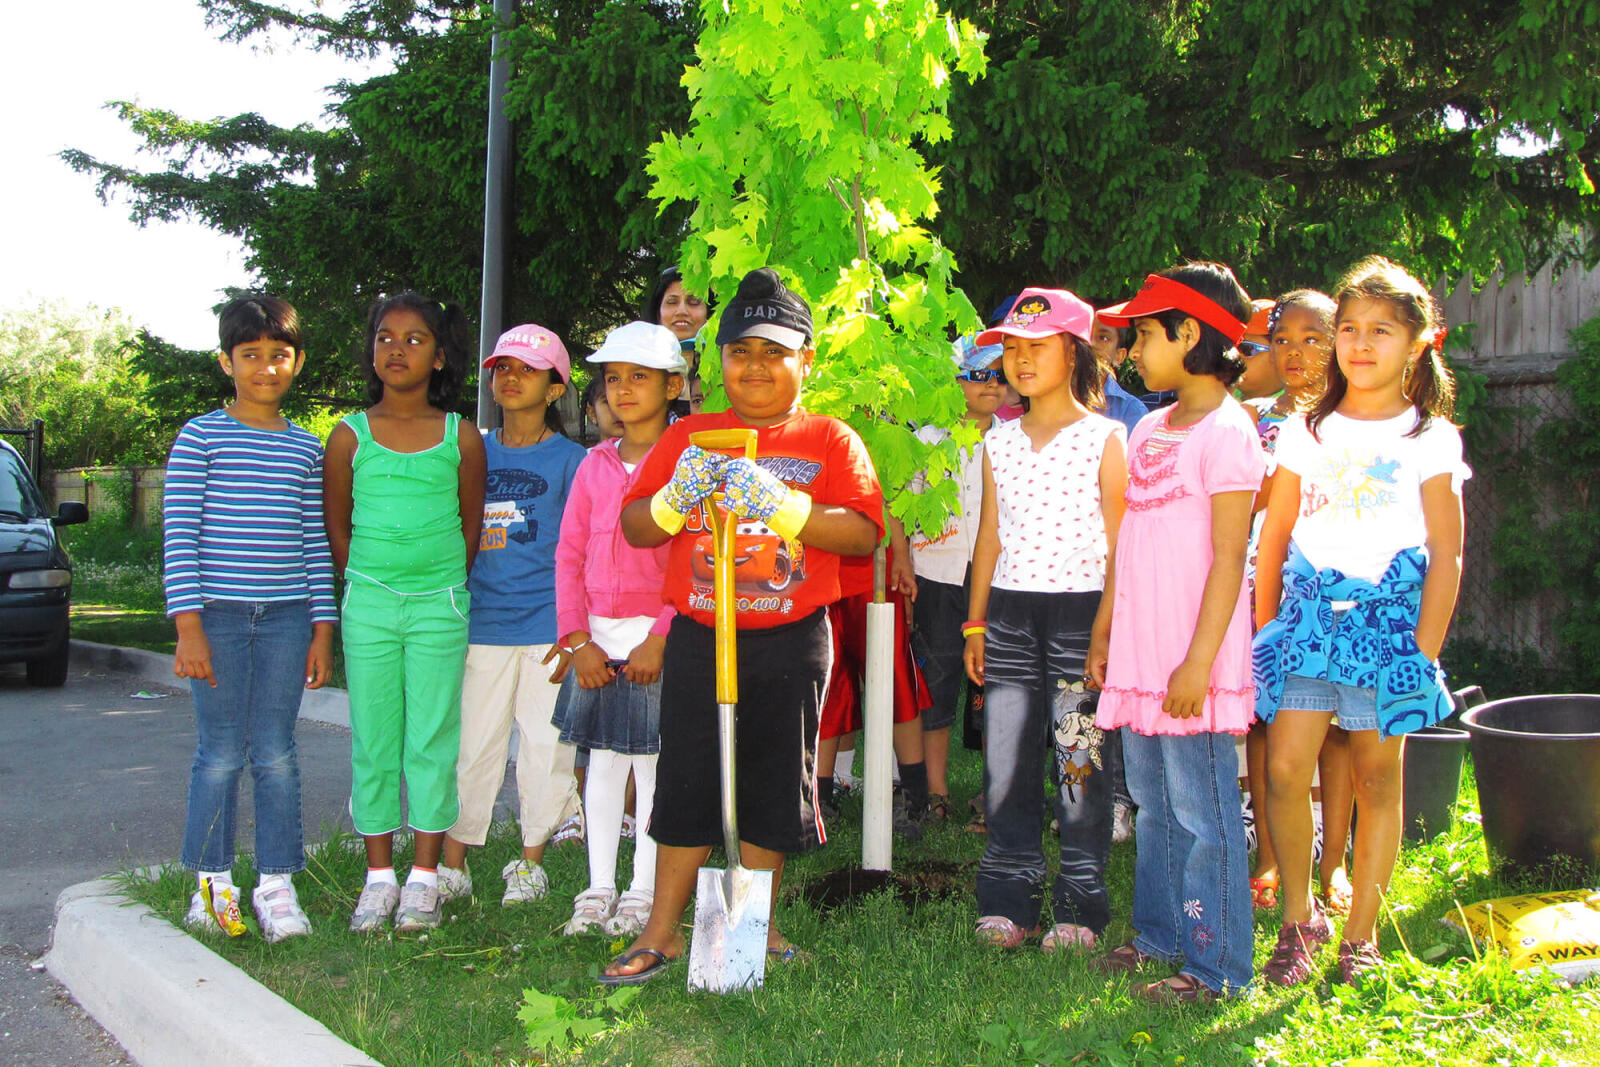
(1354,708)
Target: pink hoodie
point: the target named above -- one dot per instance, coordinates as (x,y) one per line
(597,571)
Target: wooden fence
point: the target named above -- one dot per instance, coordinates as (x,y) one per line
(1521,337)
(109,489)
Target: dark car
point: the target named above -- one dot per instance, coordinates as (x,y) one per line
(35,574)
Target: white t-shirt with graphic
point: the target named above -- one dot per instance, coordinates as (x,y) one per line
(943,557)
(1361,486)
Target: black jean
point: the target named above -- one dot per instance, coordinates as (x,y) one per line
(1036,704)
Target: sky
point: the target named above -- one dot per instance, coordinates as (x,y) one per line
(59,241)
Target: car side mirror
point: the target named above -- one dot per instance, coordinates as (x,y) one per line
(71,513)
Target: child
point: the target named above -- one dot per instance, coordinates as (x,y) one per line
(1110,344)
(249,586)
(403,498)
(611,615)
(606,424)
(1053,484)
(1366,506)
(1172,640)
(841,715)
(942,563)
(811,495)
(511,632)
(1260,379)
(669,304)
(1300,329)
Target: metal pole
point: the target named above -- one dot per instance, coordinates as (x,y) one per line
(496,205)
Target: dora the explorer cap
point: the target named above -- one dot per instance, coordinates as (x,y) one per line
(535,346)
(764,307)
(1040,313)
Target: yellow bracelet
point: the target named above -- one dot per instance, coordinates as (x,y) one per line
(968,631)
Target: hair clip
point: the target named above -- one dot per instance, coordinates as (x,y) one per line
(1439,335)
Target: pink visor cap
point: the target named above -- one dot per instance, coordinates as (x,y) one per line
(534,346)
(1040,313)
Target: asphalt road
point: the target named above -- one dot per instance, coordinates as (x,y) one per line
(93,780)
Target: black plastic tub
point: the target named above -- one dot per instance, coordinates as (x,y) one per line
(1432,780)
(1537,760)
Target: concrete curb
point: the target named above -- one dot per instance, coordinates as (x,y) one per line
(170,1000)
(331,706)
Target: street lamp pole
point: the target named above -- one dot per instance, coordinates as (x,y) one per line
(496,205)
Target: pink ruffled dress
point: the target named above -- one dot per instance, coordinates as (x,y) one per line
(1163,555)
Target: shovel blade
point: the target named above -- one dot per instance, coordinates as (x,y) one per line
(732,912)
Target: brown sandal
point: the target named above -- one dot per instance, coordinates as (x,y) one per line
(1181,988)
(1123,959)
(938,807)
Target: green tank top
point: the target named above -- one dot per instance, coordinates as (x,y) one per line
(406,514)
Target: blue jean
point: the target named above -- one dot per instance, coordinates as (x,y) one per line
(1034,706)
(258,654)
(1191,876)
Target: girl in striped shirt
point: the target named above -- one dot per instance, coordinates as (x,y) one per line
(249,585)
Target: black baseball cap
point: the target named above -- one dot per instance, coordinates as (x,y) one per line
(765,307)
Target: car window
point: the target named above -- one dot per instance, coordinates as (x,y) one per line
(18,497)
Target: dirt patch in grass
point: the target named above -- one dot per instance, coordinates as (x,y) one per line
(913,884)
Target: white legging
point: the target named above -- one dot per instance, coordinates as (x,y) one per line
(603,798)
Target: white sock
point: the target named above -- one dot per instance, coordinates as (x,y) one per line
(216,877)
(843,762)
(274,881)
(423,875)
(603,795)
(644,846)
(379,875)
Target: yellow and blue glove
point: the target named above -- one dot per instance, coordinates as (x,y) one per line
(749,491)
(694,479)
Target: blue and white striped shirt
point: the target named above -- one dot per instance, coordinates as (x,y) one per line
(243,517)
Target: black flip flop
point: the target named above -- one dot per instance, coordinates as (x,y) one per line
(655,970)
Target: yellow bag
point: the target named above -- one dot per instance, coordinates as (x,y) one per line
(1560,931)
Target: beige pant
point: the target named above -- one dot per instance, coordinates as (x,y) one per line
(505,683)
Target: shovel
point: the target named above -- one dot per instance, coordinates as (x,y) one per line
(732,908)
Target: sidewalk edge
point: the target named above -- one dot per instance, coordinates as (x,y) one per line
(170,1000)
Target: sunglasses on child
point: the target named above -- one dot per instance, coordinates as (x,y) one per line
(981,375)
(1252,349)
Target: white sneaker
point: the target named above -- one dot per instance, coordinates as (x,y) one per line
(590,911)
(222,916)
(454,884)
(420,909)
(571,830)
(375,908)
(631,913)
(1122,822)
(630,827)
(525,882)
(278,911)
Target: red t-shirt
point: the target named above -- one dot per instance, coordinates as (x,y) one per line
(777,581)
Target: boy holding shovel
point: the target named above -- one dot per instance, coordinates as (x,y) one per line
(809,497)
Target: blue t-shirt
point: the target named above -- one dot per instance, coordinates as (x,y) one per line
(1122,405)
(513,580)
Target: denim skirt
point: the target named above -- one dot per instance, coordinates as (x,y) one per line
(619,716)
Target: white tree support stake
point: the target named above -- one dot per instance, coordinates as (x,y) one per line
(877,840)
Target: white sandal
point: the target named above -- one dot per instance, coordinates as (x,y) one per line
(632,912)
(590,911)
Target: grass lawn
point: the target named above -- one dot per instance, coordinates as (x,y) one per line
(886,984)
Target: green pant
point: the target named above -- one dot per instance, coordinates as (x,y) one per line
(403,658)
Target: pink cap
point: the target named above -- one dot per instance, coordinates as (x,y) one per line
(1040,313)
(535,346)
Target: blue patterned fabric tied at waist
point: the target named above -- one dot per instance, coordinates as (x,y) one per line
(1373,645)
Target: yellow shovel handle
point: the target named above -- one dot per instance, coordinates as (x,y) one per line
(722,533)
